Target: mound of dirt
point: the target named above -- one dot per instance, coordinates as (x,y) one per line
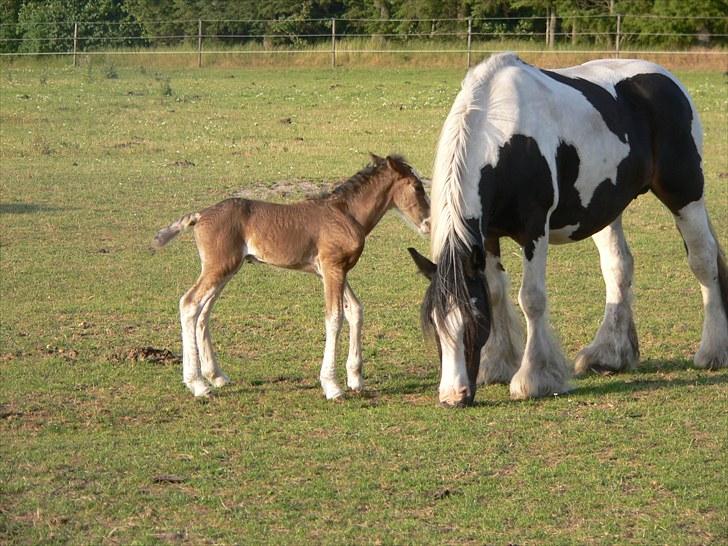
(148,354)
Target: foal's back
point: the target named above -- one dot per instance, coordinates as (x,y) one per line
(284,235)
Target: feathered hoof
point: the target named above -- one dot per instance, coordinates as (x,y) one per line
(604,360)
(711,360)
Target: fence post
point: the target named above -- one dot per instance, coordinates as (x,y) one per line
(333,43)
(470,37)
(75,43)
(619,34)
(199,43)
(548,30)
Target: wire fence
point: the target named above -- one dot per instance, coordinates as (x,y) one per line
(605,35)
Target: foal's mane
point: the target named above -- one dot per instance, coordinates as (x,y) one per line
(351,187)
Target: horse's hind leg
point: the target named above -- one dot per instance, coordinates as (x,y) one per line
(707,262)
(354,314)
(615,347)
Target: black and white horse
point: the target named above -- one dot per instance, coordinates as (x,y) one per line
(554,156)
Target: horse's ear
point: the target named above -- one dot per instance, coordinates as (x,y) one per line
(426,267)
(375,158)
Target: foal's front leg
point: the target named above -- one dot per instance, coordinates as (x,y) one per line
(354,316)
(333,295)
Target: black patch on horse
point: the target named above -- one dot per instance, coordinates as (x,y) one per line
(653,115)
(516,193)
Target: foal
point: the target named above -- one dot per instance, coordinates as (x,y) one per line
(324,235)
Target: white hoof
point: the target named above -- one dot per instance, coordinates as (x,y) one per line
(356,383)
(711,360)
(198,387)
(332,391)
(220,380)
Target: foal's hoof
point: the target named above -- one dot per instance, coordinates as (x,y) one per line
(199,388)
(708,361)
(219,381)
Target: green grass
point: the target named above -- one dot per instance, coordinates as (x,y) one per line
(92,166)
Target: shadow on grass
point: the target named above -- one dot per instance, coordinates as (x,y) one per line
(25,208)
(649,377)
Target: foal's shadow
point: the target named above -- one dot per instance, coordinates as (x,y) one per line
(25,208)
(649,376)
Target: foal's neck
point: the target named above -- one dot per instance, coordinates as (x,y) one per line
(371,201)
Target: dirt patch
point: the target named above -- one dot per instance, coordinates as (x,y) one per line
(153,355)
(286,189)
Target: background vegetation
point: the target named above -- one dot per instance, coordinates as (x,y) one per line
(47,25)
(100,443)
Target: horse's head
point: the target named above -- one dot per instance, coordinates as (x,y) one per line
(408,192)
(456,312)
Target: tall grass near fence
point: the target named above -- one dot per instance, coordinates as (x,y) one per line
(101,443)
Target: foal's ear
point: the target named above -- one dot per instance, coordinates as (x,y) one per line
(426,267)
(375,158)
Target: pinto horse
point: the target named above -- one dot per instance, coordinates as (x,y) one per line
(554,156)
(323,235)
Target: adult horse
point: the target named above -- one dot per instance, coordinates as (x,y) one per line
(554,156)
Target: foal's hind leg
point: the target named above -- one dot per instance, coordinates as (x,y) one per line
(209,365)
(708,264)
(190,307)
(615,347)
(354,314)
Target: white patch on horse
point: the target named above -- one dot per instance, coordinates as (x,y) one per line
(692,221)
(562,235)
(454,384)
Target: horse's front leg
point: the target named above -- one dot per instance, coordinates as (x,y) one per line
(544,369)
(334,281)
(354,315)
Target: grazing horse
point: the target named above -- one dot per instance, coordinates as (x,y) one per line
(323,235)
(554,156)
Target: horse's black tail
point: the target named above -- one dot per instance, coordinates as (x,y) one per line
(722,271)
(168,233)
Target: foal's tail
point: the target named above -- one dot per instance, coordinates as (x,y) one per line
(165,235)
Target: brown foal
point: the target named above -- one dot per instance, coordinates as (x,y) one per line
(323,235)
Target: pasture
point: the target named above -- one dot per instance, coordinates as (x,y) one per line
(100,442)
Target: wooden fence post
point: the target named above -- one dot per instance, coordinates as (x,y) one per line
(199,43)
(75,43)
(470,37)
(619,34)
(333,43)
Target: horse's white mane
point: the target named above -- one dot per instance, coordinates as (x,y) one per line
(449,229)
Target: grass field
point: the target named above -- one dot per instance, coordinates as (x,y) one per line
(99,445)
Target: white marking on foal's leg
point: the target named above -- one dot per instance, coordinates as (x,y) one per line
(692,221)
(615,347)
(544,369)
(354,314)
(502,354)
(328,366)
(189,311)
(209,365)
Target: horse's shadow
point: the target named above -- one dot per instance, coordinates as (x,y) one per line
(650,375)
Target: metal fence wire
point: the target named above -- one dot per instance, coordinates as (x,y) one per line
(589,34)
